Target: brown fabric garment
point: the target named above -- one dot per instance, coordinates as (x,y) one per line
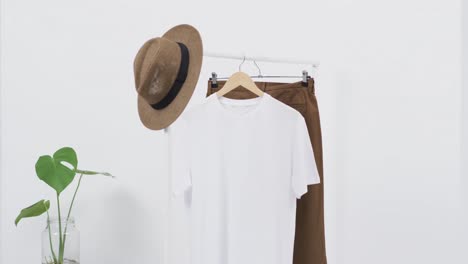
(309,244)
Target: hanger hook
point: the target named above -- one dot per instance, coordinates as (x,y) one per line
(240,65)
(259,71)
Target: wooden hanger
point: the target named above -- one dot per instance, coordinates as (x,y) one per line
(240,79)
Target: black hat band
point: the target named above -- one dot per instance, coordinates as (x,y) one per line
(179,81)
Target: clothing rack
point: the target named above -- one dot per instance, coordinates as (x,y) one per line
(210,54)
(305,75)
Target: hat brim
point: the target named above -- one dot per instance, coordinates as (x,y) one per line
(159,119)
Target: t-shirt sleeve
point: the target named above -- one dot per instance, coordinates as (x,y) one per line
(304,169)
(179,162)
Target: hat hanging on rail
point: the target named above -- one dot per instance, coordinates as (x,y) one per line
(166,72)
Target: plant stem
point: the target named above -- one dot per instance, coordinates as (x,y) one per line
(60,260)
(94,173)
(70,209)
(50,238)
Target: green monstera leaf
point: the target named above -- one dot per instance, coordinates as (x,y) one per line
(59,170)
(34,210)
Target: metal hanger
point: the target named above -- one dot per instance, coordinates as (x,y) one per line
(239,79)
(305,75)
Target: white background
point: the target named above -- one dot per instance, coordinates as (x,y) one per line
(389,89)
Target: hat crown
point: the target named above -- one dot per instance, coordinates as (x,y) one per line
(166,73)
(159,61)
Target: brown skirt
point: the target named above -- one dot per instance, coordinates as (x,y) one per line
(309,244)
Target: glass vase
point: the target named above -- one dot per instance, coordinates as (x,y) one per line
(52,252)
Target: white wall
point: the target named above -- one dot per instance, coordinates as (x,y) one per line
(464,157)
(389,89)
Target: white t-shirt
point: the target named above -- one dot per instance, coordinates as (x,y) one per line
(245,163)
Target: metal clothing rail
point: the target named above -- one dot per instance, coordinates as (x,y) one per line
(314,64)
(305,75)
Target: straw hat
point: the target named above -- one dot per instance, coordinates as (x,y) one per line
(166,73)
